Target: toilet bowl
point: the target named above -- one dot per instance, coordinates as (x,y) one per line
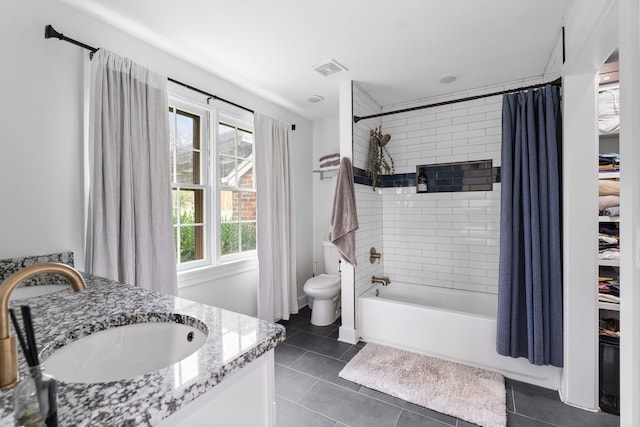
(324,290)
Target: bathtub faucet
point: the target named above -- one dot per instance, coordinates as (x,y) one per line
(385,281)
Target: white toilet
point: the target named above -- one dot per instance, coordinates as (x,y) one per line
(324,290)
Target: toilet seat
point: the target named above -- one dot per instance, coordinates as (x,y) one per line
(323,281)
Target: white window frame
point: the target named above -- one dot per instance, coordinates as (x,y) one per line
(238,121)
(205,144)
(210,117)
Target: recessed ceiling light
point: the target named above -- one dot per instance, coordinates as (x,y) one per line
(329,67)
(315,98)
(448,78)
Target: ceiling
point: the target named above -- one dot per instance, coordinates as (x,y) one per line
(397,50)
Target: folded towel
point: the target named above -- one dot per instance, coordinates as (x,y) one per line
(611,211)
(333,156)
(344,218)
(330,163)
(608,187)
(605,202)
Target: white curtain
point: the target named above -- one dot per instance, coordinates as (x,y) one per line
(130,226)
(277,289)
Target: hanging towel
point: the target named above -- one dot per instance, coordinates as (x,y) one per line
(344,218)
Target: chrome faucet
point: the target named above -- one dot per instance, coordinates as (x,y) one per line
(8,348)
(385,281)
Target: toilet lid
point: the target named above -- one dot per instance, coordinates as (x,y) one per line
(323,281)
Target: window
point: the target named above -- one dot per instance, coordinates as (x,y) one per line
(237,190)
(213,186)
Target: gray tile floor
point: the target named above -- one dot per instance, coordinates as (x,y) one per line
(309,392)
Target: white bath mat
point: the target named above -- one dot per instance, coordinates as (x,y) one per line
(471,394)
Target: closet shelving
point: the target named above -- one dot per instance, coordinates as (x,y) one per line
(609,240)
(608,143)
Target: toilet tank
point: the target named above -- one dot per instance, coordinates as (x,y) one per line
(331,258)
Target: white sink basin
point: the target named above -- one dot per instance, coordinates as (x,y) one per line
(22,292)
(124,352)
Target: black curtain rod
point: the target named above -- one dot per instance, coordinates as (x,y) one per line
(557,82)
(50,32)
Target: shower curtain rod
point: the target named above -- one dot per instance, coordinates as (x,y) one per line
(557,82)
(50,32)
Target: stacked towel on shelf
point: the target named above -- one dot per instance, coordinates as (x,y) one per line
(608,242)
(609,162)
(609,199)
(608,284)
(609,110)
(609,187)
(329,161)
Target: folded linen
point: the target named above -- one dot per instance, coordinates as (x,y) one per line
(330,163)
(605,202)
(611,211)
(608,187)
(604,158)
(332,156)
(609,254)
(609,110)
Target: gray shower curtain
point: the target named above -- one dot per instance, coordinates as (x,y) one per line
(530,277)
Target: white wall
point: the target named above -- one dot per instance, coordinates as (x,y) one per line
(630,216)
(41,130)
(326,140)
(590,37)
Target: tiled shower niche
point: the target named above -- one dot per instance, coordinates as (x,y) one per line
(476,175)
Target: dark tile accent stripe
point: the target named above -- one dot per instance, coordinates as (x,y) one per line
(461,179)
(395,180)
(457,176)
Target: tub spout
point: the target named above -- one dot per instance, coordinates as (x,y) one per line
(385,281)
(8,348)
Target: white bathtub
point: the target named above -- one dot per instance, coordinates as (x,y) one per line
(446,323)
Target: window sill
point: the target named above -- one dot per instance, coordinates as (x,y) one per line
(202,275)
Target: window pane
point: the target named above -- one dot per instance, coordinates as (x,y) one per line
(228,238)
(226,140)
(247,206)
(191,243)
(174,197)
(191,206)
(246,175)
(248,236)
(188,168)
(228,206)
(245,144)
(227,167)
(187,130)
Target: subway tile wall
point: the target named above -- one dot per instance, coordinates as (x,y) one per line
(435,239)
(444,239)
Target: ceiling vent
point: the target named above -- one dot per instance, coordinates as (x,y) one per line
(329,68)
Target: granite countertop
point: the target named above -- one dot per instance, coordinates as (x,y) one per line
(233,341)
